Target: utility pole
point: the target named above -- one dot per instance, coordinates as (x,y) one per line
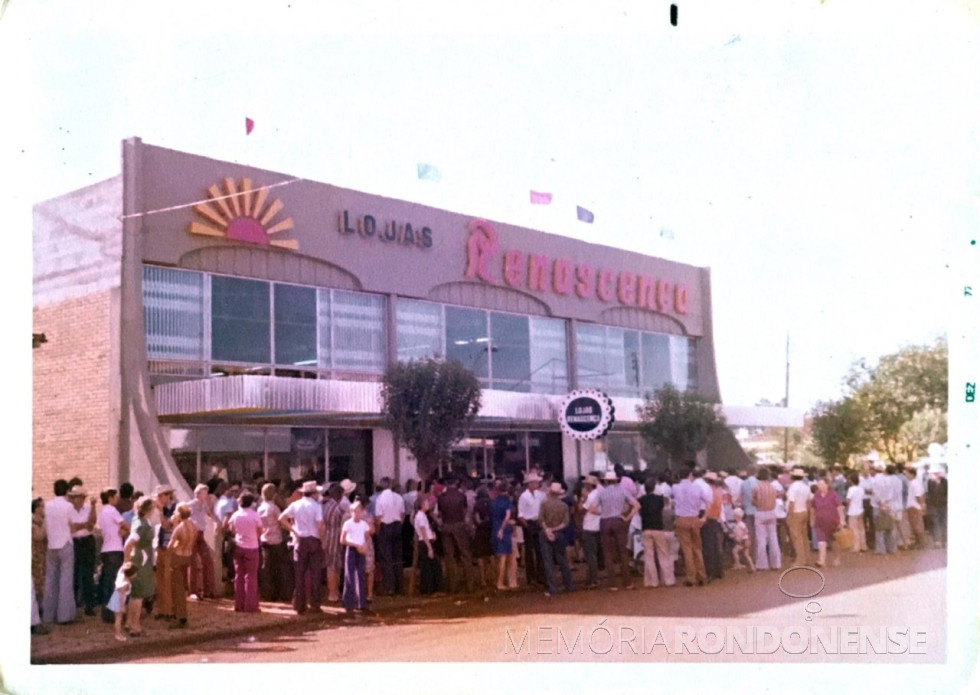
(786,405)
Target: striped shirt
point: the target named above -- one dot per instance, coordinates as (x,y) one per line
(764,496)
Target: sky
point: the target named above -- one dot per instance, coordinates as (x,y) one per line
(820,158)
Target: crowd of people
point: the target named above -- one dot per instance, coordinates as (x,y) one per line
(137,554)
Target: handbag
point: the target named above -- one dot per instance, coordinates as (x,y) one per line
(884,521)
(844,539)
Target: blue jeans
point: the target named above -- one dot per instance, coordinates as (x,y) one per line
(551,551)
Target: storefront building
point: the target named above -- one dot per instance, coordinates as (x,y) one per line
(206,318)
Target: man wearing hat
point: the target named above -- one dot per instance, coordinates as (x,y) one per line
(82,519)
(616,508)
(163,605)
(554,518)
(304,519)
(528,512)
(799,499)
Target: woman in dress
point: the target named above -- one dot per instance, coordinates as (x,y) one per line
(139,551)
(39,545)
(482,548)
(501,525)
(827,513)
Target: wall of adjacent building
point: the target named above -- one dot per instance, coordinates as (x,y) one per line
(77,254)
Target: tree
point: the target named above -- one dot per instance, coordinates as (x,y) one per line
(678,424)
(898,387)
(428,404)
(926,426)
(840,430)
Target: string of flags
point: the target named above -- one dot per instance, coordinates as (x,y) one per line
(430,172)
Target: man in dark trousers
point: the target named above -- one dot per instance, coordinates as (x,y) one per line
(455,536)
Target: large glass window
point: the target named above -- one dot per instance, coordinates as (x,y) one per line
(239,320)
(468,340)
(173,313)
(633,363)
(358,332)
(510,352)
(420,330)
(549,355)
(295,325)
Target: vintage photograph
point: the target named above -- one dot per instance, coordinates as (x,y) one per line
(584,335)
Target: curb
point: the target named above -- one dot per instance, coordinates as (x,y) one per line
(177,639)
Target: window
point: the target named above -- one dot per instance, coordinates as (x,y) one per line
(549,355)
(239,320)
(173,313)
(468,340)
(358,332)
(419,329)
(295,325)
(633,363)
(510,352)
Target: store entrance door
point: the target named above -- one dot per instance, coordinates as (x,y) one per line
(487,454)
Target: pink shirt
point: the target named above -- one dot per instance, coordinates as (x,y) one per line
(247,527)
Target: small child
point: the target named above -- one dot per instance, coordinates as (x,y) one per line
(117,602)
(741,533)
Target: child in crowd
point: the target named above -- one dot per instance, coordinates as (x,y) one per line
(117,602)
(741,537)
(354,536)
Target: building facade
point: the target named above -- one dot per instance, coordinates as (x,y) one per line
(207,318)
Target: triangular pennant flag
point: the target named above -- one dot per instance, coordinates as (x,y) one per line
(540,198)
(427,172)
(249,125)
(584,215)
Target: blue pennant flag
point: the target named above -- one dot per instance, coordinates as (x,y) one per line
(584,215)
(428,172)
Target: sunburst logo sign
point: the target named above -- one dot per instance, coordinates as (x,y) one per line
(240,213)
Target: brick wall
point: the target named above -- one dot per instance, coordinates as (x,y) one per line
(72,393)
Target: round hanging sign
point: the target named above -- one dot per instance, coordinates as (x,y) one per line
(586,414)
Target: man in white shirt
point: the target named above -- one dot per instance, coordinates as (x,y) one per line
(734,485)
(798,500)
(389,513)
(882,503)
(304,519)
(59,593)
(528,510)
(114,529)
(590,530)
(915,507)
(82,519)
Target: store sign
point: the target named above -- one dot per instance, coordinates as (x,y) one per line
(239,213)
(586,414)
(539,273)
(368,227)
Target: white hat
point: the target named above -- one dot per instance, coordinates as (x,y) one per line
(532,478)
(798,472)
(556,488)
(163,489)
(348,486)
(711,475)
(611,476)
(308,486)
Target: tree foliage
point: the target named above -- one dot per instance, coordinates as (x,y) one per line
(428,404)
(840,430)
(913,379)
(679,424)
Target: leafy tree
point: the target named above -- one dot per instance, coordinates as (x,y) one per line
(840,430)
(898,387)
(679,424)
(926,426)
(428,404)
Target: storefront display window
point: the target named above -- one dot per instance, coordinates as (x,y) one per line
(239,320)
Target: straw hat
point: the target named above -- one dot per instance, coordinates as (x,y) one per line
(532,478)
(556,488)
(348,486)
(308,487)
(163,489)
(798,473)
(712,476)
(610,476)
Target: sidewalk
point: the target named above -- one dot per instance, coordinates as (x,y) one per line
(90,639)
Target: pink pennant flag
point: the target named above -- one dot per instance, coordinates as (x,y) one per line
(540,198)
(249,125)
